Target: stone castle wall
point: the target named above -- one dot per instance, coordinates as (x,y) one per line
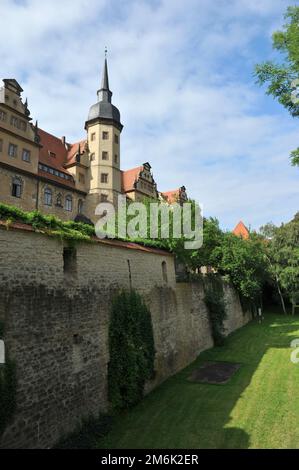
(56,325)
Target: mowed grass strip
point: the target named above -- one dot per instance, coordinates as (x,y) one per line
(257,408)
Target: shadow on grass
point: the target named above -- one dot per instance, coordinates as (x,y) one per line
(182,414)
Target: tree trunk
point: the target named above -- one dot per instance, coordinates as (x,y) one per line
(281,297)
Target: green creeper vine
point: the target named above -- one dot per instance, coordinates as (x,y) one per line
(8,387)
(214,299)
(54,227)
(132,350)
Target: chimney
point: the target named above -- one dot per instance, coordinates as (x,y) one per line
(63,139)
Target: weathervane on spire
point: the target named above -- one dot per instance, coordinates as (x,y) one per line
(106,51)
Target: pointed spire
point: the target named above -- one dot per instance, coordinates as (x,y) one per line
(36,135)
(104,93)
(27,112)
(105,79)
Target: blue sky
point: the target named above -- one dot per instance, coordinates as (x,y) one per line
(181,73)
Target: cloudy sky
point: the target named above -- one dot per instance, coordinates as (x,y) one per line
(181,73)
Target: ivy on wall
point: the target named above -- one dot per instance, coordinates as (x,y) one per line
(132,350)
(52,226)
(214,300)
(8,386)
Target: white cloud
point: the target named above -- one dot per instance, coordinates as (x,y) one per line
(181,76)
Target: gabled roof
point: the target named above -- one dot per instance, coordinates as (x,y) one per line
(241,230)
(73,150)
(174,195)
(129,177)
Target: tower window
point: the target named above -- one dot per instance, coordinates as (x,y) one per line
(26,155)
(81,178)
(48,197)
(104,198)
(105,135)
(68,203)
(12,150)
(1,145)
(16,188)
(93,136)
(115,158)
(116,139)
(92,157)
(105,156)
(104,177)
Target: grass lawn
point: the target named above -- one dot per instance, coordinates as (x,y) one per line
(257,408)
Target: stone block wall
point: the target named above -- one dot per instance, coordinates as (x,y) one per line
(56,325)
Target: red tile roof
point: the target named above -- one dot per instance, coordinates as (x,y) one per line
(73,150)
(129,177)
(241,230)
(52,144)
(55,154)
(171,196)
(174,195)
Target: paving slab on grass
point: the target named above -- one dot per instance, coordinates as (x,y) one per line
(214,372)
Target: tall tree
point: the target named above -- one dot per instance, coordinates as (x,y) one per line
(282,78)
(284,253)
(245,262)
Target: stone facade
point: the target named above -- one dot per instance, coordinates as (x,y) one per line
(56,316)
(37,169)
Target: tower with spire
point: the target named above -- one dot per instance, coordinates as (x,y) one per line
(103,128)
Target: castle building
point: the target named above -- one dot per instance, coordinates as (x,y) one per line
(39,171)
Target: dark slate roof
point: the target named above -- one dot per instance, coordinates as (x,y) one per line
(104,109)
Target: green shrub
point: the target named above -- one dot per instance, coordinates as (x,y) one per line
(8,388)
(132,351)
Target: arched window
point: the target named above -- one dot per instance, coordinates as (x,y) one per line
(68,203)
(80,206)
(164,272)
(48,197)
(16,188)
